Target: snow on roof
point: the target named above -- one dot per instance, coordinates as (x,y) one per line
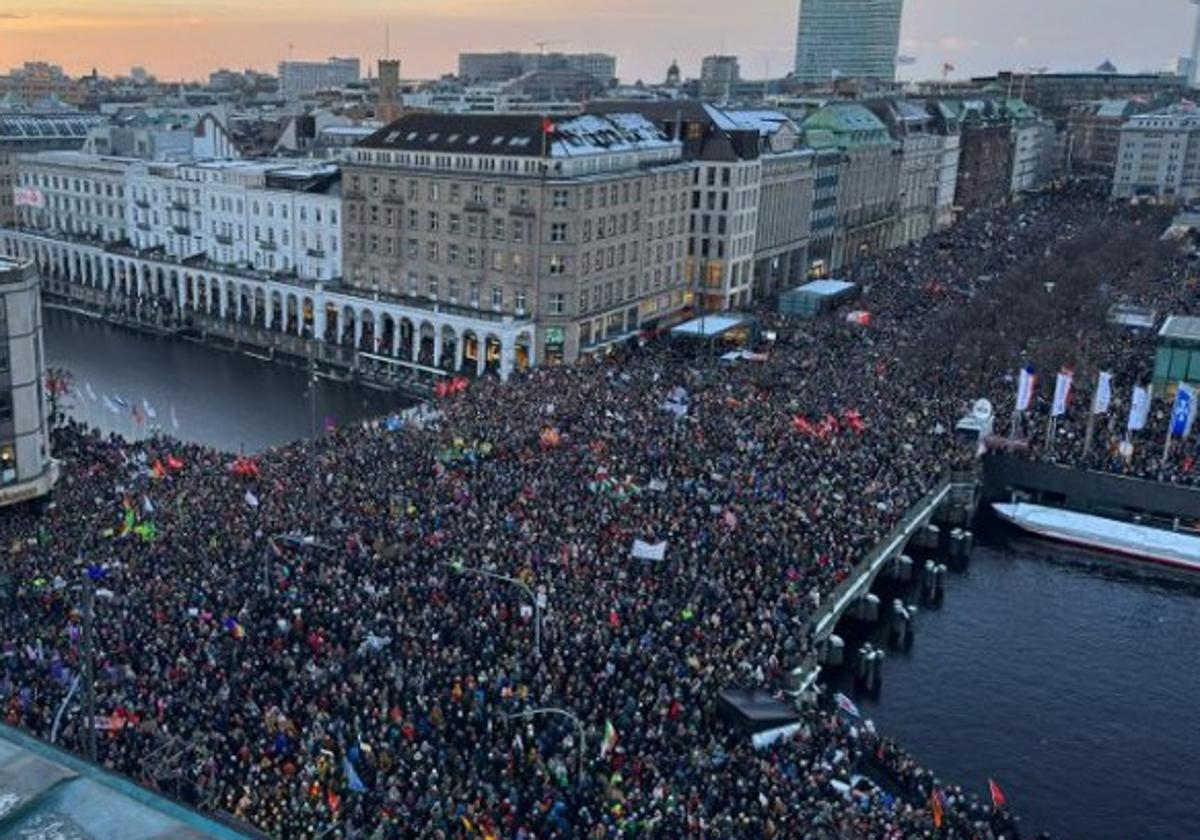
(765,122)
(708,326)
(590,134)
(826,287)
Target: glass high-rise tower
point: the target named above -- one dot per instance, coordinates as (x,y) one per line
(848,38)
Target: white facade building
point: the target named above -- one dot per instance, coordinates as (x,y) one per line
(1027,155)
(73,193)
(280,217)
(300,77)
(1159,156)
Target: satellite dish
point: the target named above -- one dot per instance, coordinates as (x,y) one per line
(982,409)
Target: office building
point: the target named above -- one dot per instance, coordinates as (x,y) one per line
(297,78)
(985,155)
(868,181)
(912,126)
(26,469)
(571,234)
(1094,133)
(496,67)
(847,39)
(282,218)
(1054,94)
(22,132)
(1159,156)
(719,77)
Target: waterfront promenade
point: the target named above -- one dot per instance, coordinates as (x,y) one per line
(368,682)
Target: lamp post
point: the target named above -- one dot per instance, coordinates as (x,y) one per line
(537,609)
(89,598)
(551,710)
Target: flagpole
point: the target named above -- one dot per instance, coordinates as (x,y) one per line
(1167,443)
(1091,426)
(89,664)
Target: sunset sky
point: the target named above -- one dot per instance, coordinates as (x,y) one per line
(187,38)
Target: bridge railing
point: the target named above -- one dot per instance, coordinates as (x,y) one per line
(859,581)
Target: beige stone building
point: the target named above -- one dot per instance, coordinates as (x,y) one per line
(579,227)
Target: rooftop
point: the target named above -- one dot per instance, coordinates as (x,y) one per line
(518,135)
(25,126)
(47,793)
(1181,328)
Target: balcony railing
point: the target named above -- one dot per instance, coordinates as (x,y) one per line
(316,252)
(268,245)
(223,239)
(182,230)
(181,206)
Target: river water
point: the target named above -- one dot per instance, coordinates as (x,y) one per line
(226,400)
(1072,681)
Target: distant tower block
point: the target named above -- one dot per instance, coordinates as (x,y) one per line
(1194,69)
(388,108)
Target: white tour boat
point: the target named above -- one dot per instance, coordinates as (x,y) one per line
(1141,542)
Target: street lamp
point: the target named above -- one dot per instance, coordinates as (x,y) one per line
(551,710)
(537,609)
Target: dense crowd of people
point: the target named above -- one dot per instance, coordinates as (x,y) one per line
(317,642)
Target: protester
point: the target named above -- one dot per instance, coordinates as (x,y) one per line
(303,639)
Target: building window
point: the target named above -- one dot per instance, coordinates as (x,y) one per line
(558,232)
(558,303)
(560,200)
(558,264)
(497,297)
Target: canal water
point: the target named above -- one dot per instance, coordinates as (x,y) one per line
(1072,680)
(226,400)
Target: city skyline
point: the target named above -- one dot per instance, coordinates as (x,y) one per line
(186,39)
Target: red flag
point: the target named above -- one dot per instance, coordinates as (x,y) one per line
(547,125)
(158,469)
(936,808)
(440,390)
(804,427)
(174,463)
(998,800)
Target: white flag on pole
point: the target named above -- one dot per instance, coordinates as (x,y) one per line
(1026,385)
(174,418)
(1062,393)
(149,409)
(1139,409)
(1103,393)
(251,499)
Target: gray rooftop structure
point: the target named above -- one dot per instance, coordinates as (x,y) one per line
(1181,330)
(48,794)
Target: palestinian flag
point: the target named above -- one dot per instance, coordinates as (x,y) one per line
(610,739)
